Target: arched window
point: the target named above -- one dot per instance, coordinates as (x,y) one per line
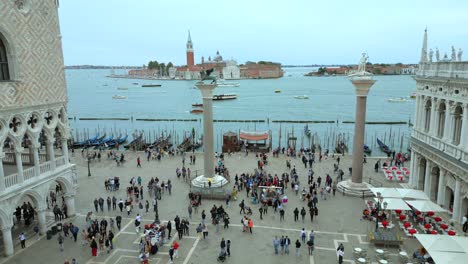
(4,74)
(427,121)
(440,129)
(457,125)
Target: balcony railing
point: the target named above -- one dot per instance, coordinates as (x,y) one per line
(450,149)
(30,173)
(26,158)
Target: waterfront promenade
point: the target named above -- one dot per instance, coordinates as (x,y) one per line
(338,221)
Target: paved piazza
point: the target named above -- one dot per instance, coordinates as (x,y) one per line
(338,220)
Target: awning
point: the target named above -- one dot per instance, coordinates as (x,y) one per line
(400,193)
(425,206)
(445,249)
(254,135)
(394,204)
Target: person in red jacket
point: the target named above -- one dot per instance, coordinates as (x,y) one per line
(175,245)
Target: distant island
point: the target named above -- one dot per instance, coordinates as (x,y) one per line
(377,69)
(85,67)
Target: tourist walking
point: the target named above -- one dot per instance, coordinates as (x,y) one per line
(228,248)
(296,214)
(310,246)
(340,253)
(138,162)
(303,214)
(60,241)
(298,247)
(94,247)
(276,243)
(22,238)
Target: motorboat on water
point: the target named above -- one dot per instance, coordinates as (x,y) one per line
(277,91)
(151,85)
(196,111)
(119,97)
(197,105)
(301,97)
(397,100)
(228,84)
(122,88)
(218,97)
(413,95)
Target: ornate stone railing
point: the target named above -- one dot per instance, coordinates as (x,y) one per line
(450,149)
(11,180)
(29,173)
(59,161)
(448,69)
(26,158)
(45,167)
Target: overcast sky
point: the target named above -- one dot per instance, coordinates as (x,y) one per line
(132,32)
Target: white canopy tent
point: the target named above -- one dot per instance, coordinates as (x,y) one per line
(394,204)
(445,249)
(425,206)
(400,193)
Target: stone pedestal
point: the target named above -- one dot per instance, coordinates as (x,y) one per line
(7,241)
(41,215)
(350,188)
(362,85)
(208,154)
(70,202)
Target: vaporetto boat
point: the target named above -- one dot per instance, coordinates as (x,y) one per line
(218,97)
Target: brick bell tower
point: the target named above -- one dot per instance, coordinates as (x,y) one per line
(190,56)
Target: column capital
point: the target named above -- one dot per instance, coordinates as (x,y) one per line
(19,149)
(6,228)
(69,195)
(50,140)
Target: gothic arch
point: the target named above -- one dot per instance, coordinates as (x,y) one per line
(11,53)
(17,126)
(34,122)
(36,197)
(66,184)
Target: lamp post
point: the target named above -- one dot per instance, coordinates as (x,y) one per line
(377,208)
(89,161)
(156,211)
(89,170)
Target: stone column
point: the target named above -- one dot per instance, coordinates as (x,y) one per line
(2,173)
(414,173)
(37,161)
(65,150)
(427,179)
(421,115)
(362,86)
(19,164)
(208,140)
(464,131)
(41,215)
(432,125)
(456,202)
(209,176)
(416,113)
(7,241)
(70,202)
(448,121)
(441,187)
(51,152)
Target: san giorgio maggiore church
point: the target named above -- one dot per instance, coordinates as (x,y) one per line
(439,142)
(34,130)
(224,69)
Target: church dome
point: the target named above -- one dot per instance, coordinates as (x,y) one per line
(218,58)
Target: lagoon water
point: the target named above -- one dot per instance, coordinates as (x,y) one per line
(330,99)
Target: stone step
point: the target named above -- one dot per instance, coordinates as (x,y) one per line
(343,187)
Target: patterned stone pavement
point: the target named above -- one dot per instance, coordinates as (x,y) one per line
(338,220)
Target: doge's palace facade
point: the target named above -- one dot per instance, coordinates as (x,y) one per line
(33,119)
(439,158)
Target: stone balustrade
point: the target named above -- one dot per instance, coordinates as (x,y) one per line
(30,173)
(455,151)
(447,69)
